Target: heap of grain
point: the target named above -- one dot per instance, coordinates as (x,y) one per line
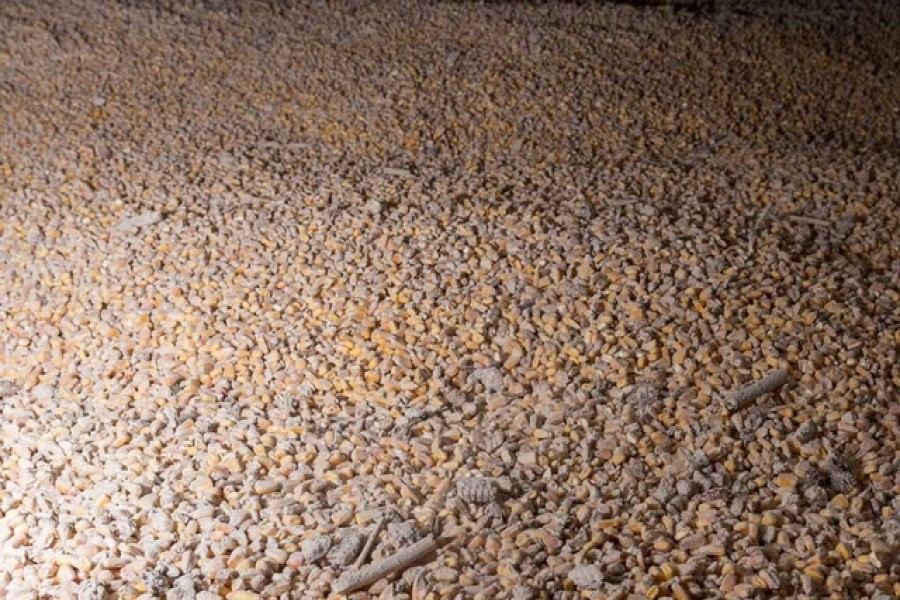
(273,275)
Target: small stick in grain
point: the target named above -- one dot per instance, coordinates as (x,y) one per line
(810,221)
(370,543)
(396,172)
(357,579)
(747,394)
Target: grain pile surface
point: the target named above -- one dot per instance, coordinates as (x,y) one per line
(273,273)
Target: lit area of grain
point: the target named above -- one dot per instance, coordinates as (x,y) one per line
(413,301)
